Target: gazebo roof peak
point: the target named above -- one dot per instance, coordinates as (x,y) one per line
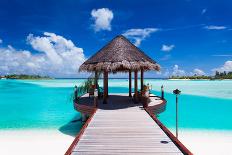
(119,55)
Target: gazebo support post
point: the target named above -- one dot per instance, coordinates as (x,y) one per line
(96,80)
(129,83)
(141,80)
(105,88)
(136,86)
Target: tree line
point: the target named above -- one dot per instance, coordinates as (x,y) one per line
(24,76)
(223,75)
(218,75)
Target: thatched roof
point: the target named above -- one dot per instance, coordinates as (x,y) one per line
(119,55)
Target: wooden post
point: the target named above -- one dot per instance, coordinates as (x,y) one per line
(96,80)
(162,92)
(95,97)
(75,94)
(107,92)
(83,117)
(105,88)
(141,80)
(136,85)
(129,83)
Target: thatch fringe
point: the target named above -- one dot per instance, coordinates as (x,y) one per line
(123,66)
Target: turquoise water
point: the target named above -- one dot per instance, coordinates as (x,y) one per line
(32,104)
(198,112)
(24,105)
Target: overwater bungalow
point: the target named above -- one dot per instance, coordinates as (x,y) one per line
(121,123)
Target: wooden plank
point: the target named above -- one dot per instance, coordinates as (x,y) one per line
(119,153)
(127,130)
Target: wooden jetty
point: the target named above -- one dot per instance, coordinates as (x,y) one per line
(119,126)
(122,127)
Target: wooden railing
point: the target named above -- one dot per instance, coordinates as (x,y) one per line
(159,108)
(84,108)
(74,143)
(181,146)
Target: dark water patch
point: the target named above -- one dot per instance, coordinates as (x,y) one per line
(73,127)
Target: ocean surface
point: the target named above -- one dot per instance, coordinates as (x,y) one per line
(46,104)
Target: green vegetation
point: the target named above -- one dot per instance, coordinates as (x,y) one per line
(195,77)
(24,76)
(223,75)
(87,85)
(218,75)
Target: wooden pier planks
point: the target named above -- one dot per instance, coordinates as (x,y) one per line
(124,131)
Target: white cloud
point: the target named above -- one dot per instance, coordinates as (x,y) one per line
(138,35)
(102,19)
(47,45)
(203,11)
(167,48)
(227,66)
(198,72)
(213,27)
(57,57)
(177,71)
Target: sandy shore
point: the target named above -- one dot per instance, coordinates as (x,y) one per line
(205,142)
(37,142)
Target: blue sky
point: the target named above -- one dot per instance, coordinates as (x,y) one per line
(54,37)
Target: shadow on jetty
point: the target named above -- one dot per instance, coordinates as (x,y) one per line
(73,127)
(115,102)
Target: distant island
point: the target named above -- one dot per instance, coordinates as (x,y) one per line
(24,77)
(218,76)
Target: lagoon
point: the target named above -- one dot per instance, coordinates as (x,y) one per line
(45,106)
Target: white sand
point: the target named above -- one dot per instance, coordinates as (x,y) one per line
(204,142)
(38,142)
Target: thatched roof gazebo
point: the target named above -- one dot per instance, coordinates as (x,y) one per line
(120,55)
